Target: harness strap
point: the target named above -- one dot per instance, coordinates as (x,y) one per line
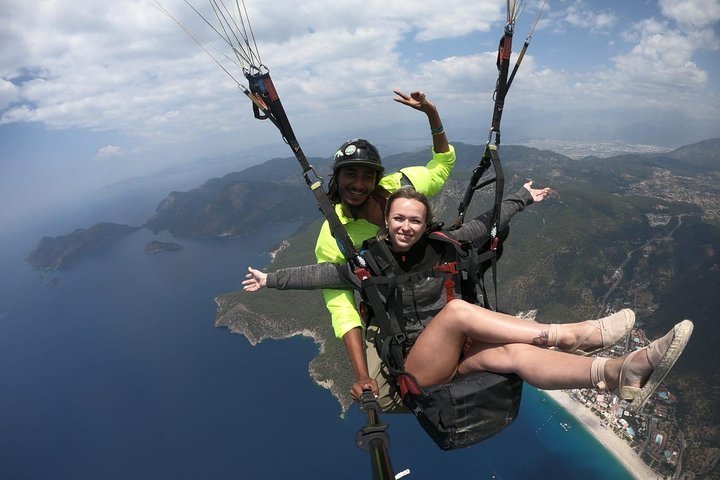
(408,385)
(483,257)
(451,269)
(386,317)
(495,239)
(262,87)
(391,344)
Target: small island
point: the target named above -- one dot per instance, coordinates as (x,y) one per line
(153,247)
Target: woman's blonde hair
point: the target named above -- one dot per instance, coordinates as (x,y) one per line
(411,194)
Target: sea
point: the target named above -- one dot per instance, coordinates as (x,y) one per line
(115,370)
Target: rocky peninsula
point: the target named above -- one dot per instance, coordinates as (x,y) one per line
(64,252)
(273,314)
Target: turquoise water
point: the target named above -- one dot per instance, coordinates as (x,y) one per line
(114,370)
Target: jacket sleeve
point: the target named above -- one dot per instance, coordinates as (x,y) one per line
(340,303)
(431,178)
(311,277)
(477,230)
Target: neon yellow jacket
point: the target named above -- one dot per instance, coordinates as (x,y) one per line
(429,180)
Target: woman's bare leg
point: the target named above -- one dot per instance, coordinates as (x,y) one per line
(467,320)
(434,357)
(547,369)
(550,369)
(543,368)
(433,360)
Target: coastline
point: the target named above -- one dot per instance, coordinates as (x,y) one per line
(615,445)
(256,327)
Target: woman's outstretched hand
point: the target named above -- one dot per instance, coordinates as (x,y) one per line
(538,194)
(255,280)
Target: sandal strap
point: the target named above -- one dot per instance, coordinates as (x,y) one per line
(553,334)
(588,331)
(597,373)
(610,333)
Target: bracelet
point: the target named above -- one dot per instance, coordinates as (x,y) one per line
(437,130)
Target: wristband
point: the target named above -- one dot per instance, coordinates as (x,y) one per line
(439,130)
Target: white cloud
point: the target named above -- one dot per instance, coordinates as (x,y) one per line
(663,57)
(579,14)
(691,13)
(456,18)
(656,76)
(8,93)
(20,113)
(124,66)
(110,151)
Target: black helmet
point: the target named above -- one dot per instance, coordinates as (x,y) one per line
(358,152)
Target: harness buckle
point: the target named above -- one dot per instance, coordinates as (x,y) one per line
(362,273)
(451,268)
(313,184)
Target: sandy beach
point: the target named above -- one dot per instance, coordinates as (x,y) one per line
(618,447)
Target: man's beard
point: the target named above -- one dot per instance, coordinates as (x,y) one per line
(355,210)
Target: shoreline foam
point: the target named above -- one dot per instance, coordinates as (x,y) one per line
(615,445)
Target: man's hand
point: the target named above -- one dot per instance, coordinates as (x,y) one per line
(361,384)
(416,100)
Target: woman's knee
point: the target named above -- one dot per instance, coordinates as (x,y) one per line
(457,311)
(486,357)
(455,306)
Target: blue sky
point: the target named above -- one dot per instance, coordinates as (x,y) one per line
(92,93)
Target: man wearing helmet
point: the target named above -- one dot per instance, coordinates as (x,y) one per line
(359,190)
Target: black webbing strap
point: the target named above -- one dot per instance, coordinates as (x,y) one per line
(263,89)
(386,316)
(501,88)
(392,336)
(490,158)
(499,187)
(470,261)
(494,237)
(480,280)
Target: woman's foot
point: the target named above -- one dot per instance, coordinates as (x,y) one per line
(589,337)
(641,371)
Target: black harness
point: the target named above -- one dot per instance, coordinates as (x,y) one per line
(470,408)
(452,263)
